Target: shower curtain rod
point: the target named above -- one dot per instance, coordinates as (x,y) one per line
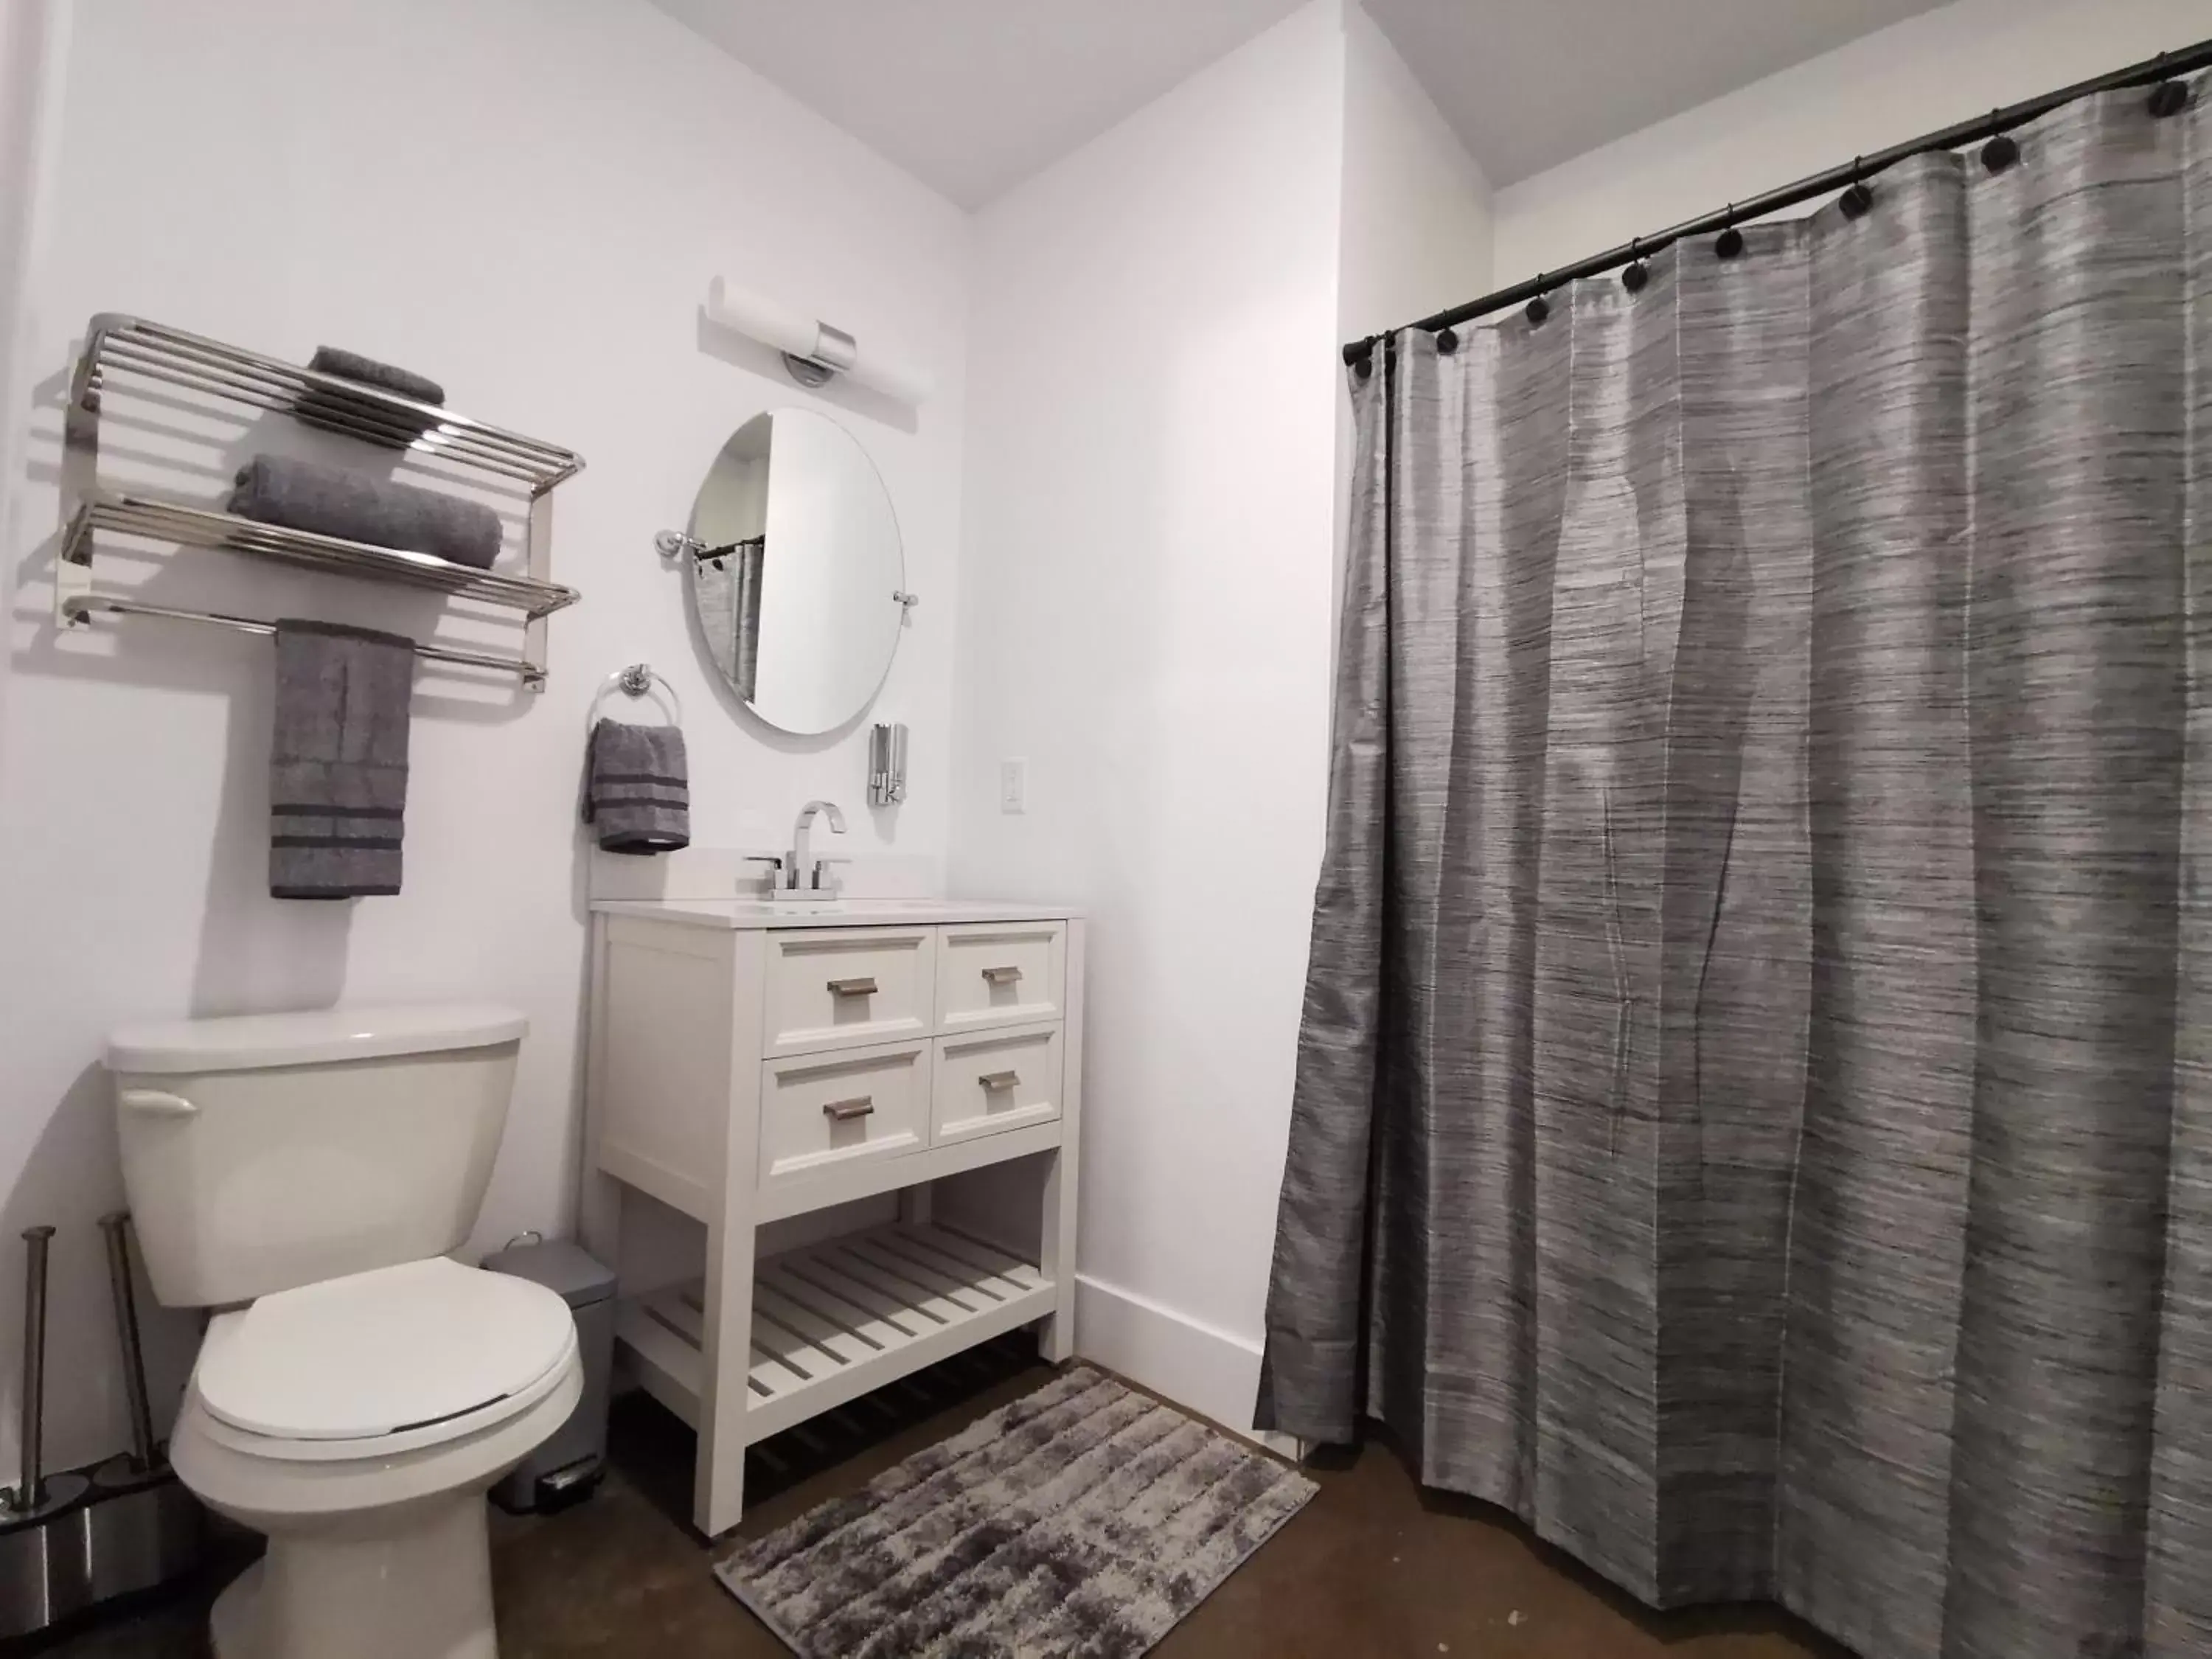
(2166,66)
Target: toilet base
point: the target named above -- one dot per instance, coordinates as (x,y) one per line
(331,1594)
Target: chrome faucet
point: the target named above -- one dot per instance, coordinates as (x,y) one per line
(798,872)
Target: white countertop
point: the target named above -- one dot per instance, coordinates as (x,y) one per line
(740,912)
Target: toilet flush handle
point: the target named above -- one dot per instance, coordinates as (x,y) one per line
(157,1102)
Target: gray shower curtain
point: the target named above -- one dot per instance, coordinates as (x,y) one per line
(1755,1104)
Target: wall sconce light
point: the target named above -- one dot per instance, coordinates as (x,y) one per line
(813,351)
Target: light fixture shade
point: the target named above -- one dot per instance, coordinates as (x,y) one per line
(784,330)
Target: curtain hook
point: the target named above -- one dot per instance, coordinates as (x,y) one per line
(1730,241)
(1635,276)
(1539,308)
(2003,149)
(2169,97)
(1859,198)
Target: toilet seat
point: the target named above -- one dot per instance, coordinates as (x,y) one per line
(383,1362)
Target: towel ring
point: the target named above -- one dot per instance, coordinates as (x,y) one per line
(638,680)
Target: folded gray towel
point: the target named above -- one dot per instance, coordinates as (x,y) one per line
(352,365)
(337,760)
(329,500)
(358,417)
(636,788)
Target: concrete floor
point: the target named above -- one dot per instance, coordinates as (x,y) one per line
(1373,1566)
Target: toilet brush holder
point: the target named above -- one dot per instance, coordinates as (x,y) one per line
(74,1542)
(141,1528)
(44,1574)
(106,1534)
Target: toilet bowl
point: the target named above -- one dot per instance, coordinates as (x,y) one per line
(357,1391)
(358,1423)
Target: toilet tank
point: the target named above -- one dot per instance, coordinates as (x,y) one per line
(269,1151)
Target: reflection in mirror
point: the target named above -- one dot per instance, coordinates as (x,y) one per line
(796,571)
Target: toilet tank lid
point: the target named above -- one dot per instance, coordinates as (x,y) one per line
(244,1042)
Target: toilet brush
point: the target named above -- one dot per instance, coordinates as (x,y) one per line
(73,1541)
(116,1226)
(142,1527)
(44,1571)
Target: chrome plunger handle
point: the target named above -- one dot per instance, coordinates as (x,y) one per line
(117,1226)
(32,1492)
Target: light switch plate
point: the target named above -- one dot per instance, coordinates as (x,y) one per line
(1014,786)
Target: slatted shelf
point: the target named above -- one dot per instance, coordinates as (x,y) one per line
(834,1319)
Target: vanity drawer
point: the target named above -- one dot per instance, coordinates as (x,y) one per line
(994,1080)
(833,987)
(1000,974)
(841,1107)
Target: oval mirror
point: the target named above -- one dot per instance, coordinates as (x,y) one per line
(795,570)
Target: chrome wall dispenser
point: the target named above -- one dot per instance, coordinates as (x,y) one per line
(886,765)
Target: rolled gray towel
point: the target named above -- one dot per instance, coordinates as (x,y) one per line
(337,760)
(371,423)
(283,490)
(386,377)
(637,789)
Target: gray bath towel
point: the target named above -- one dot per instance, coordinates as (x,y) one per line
(338,770)
(637,789)
(283,490)
(376,424)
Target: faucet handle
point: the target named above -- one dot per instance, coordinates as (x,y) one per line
(775,868)
(824,880)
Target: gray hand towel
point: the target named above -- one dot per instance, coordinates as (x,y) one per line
(283,490)
(358,417)
(636,788)
(338,770)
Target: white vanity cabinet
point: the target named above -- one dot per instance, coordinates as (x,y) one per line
(747,1066)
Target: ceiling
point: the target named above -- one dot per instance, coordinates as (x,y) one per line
(1529,85)
(973,96)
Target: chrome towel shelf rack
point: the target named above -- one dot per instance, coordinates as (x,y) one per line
(115,606)
(118,347)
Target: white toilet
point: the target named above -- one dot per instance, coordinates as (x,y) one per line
(356,1393)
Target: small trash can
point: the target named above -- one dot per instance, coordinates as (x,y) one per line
(565,1469)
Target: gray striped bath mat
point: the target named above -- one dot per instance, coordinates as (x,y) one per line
(1083,1518)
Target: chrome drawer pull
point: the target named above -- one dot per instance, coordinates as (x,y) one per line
(995,1081)
(853,987)
(844,1111)
(1003,975)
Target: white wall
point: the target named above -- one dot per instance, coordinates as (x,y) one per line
(34,45)
(1146,618)
(524,198)
(1884,88)
(1416,230)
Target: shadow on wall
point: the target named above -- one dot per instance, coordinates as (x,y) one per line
(76,1155)
(252,951)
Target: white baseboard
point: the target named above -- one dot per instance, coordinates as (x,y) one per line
(1207,1371)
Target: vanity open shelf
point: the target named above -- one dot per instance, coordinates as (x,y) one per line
(832,1321)
(750,1070)
(133,354)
